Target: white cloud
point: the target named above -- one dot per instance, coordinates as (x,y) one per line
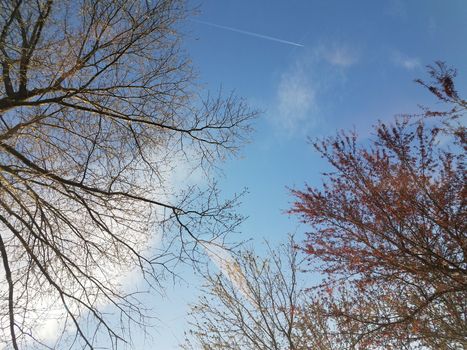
(301,86)
(227,264)
(340,55)
(296,99)
(406,62)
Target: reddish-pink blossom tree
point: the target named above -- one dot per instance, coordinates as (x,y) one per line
(389,225)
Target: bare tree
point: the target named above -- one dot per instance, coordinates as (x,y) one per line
(97,106)
(263,304)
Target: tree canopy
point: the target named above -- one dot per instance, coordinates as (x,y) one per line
(388,225)
(262,303)
(98,109)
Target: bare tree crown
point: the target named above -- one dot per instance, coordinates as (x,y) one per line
(97,104)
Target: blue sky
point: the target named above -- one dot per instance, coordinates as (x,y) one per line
(356,66)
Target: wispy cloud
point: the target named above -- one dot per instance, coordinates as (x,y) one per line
(256,35)
(341,55)
(303,85)
(227,264)
(406,62)
(396,8)
(296,100)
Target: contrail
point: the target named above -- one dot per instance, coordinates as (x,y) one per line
(249,33)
